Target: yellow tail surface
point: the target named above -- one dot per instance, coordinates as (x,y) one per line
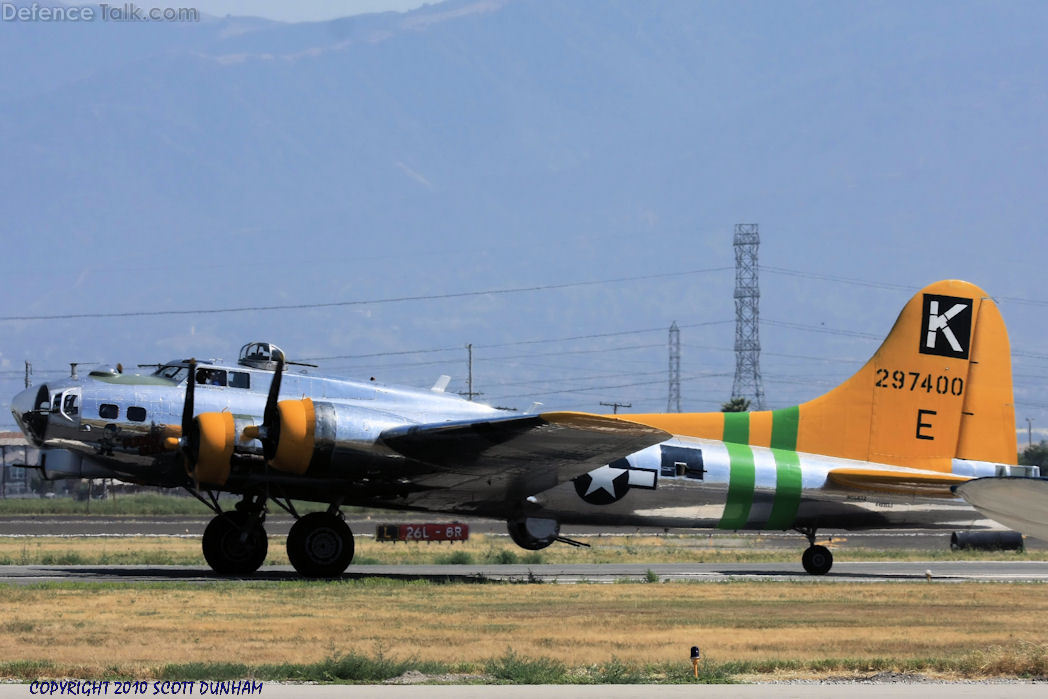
(938,388)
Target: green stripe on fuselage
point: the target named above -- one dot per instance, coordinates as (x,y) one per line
(784,428)
(737,428)
(787,489)
(741,479)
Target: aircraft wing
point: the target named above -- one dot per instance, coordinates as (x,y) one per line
(1016,502)
(504,459)
(919,484)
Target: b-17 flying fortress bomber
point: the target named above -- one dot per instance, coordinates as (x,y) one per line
(931,410)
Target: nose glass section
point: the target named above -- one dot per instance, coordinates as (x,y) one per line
(30,409)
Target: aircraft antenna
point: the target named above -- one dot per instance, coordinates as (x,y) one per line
(673,405)
(747,382)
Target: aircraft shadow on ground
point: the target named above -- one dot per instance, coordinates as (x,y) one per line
(490,575)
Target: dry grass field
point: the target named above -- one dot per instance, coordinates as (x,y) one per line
(91,630)
(806,628)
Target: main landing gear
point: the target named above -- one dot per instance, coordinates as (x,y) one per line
(235,543)
(319,545)
(817,560)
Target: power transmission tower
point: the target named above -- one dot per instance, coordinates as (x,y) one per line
(673,405)
(747,382)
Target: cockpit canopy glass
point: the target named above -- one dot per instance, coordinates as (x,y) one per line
(175,373)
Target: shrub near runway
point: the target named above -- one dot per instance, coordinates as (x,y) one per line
(295,630)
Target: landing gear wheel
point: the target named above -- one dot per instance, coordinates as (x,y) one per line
(232,546)
(320,545)
(533,534)
(817,560)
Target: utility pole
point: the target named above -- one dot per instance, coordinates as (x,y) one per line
(615,405)
(673,404)
(1029,432)
(469,392)
(747,382)
(28,372)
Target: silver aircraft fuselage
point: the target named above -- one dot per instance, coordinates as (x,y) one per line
(110,424)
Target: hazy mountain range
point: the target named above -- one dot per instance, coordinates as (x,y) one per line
(489,144)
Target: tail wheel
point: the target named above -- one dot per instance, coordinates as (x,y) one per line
(817,560)
(233,545)
(320,545)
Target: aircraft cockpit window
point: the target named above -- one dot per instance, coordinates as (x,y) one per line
(56,403)
(71,404)
(175,373)
(136,414)
(239,379)
(211,377)
(108,411)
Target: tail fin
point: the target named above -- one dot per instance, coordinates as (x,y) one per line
(938,388)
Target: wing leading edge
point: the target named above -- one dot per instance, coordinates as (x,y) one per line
(511,458)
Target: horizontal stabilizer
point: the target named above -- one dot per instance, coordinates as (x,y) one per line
(519,455)
(925,485)
(1019,503)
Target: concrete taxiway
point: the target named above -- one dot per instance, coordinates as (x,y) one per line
(278,524)
(872,571)
(799,690)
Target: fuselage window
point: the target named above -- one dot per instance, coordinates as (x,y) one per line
(211,377)
(136,414)
(239,379)
(681,461)
(108,411)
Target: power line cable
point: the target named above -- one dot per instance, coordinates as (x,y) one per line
(361,302)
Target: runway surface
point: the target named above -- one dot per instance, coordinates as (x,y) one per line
(874,571)
(192,526)
(277,525)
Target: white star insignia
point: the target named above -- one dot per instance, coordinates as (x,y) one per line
(603,479)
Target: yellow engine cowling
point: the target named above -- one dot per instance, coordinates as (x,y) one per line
(298,421)
(217,436)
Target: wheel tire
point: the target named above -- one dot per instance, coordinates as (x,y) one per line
(320,545)
(224,549)
(817,560)
(518,532)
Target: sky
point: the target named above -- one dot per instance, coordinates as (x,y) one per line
(592,156)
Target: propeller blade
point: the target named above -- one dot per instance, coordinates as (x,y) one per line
(189,448)
(270,435)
